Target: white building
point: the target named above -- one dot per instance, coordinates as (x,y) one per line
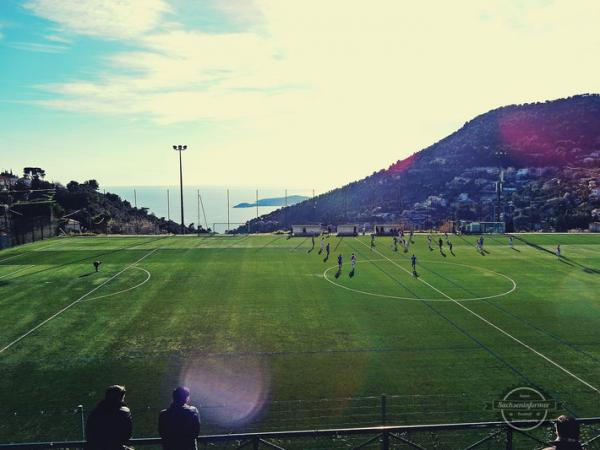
(306,230)
(347,230)
(72,226)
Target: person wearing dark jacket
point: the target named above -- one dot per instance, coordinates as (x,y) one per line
(179,424)
(109,425)
(567,435)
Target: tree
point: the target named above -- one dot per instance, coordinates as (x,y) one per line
(92,184)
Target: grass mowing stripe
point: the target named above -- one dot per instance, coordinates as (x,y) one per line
(541,330)
(20,338)
(27,252)
(18,270)
(271,241)
(497,328)
(462,330)
(89,258)
(11,257)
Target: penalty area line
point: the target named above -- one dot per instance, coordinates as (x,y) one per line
(53,316)
(496,327)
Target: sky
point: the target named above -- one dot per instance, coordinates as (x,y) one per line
(270,93)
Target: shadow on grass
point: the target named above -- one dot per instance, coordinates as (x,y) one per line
(563,259)
(87,274)
(351,274)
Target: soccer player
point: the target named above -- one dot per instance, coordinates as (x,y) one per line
(322,244)
(353,261)
(395,244)
(340,262)
(510,242)
(429,241)
(412,233)
(450,246)
(327,250)
(312,240)
(372,240)
(441,244)
(558,251)
(97,265)
(413,262)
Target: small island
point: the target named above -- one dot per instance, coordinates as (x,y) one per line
(279,201)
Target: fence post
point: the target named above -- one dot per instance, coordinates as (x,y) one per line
(509,438)
(383,409)
(385,440)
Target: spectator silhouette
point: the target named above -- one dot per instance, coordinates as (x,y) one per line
(109,424)
(567,435)
(179,424)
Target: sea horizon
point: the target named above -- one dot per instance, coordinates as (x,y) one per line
(214,210)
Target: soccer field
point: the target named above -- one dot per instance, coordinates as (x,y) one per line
(269,336)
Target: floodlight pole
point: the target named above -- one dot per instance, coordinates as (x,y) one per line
(180,148)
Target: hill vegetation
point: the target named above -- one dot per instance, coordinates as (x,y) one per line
(32,201)
(549,154)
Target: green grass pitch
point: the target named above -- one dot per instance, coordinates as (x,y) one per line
(268,337)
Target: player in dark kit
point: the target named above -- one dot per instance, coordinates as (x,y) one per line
(340,262)
(327,249)
(97,265)
(441,244)
(413,261)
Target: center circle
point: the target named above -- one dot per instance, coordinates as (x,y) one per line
(376,294)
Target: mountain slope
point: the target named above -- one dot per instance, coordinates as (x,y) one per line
(535,144)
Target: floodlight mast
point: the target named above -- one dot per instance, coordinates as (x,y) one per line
(180,148)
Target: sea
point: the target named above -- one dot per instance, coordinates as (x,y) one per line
(214,210)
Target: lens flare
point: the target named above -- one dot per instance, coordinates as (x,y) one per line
(231,392)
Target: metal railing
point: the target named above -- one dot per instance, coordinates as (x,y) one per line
(488,435)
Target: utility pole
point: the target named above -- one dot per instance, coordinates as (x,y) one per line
(500,154)
(134,198)
(286,211)
(227,210)
(168,205)
(198,222)
(181,148)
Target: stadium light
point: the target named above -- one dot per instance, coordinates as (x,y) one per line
(180,148)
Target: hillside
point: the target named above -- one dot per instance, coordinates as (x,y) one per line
(549,153)
(33,208)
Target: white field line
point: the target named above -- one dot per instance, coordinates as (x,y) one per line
(11,257)
(6,347)
(47,246)
(124,290)
(506,333)
(18,270)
